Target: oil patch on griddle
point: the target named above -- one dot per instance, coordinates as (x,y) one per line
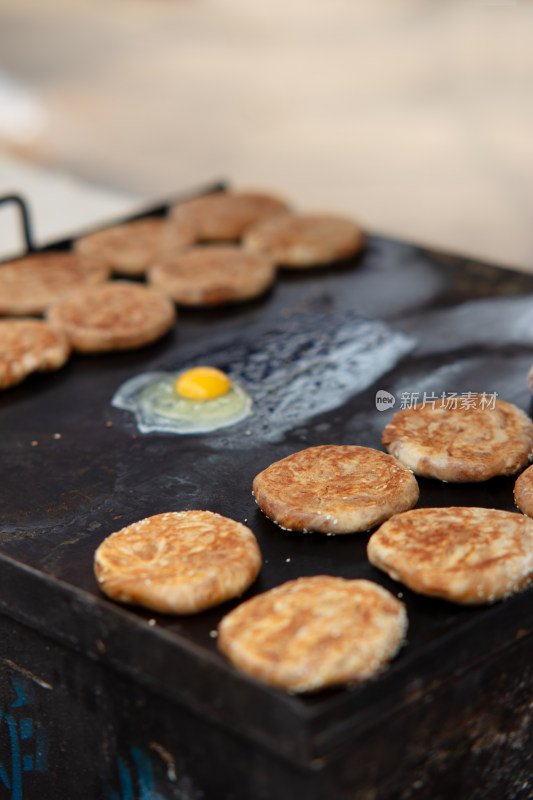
(487,322)
(304,366)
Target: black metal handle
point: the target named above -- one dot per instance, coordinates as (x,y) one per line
(25,218)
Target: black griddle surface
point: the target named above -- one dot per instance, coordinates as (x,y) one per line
(75,469)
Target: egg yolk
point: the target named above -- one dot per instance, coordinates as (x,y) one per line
(202,383)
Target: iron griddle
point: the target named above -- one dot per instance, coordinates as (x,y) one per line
(75,469)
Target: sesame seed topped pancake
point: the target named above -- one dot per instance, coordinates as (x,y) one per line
(334,489)
(29,345)
(180,562)
(462,554)
(314,632)
(523,491)
(212,275)
(301,241)
(474,442)
(29,285)
(130,248)
(117,315)
(224,216)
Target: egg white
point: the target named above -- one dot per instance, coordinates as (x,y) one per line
(157,406)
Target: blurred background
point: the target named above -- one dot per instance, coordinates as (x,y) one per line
(414,116)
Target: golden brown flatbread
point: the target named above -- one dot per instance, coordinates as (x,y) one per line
(181,562)
(473,442)
(212,275)
(462,554)
(304,240)
(29,285)
(224,216)
(334,489)
(117,315)
(29,345)
(523,491)
(314,632)
(130,248)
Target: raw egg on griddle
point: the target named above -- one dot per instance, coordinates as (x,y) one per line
(197,400)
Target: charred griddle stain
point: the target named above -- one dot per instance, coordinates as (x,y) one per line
(473,738)
(60,489)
